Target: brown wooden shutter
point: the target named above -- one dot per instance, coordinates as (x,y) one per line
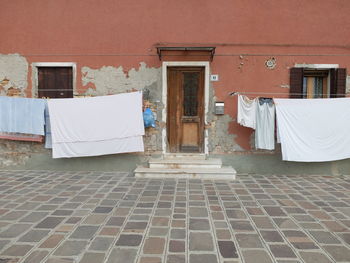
(296,83)
(341,82)
(55,82)
(333,83)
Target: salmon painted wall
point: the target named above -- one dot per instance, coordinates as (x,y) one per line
(246,33)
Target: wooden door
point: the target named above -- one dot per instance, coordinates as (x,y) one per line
(185,115)
(55,82)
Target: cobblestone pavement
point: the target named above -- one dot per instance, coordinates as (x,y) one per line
(92,217)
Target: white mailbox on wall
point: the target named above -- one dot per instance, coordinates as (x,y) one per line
(219,108)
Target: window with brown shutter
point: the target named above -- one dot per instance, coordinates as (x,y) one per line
(317,83)
(55,82)
(296,83)
(340,82)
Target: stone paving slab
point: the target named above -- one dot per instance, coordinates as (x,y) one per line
(113,217)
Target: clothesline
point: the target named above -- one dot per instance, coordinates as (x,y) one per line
(72,90)
(233,93)
(76,95)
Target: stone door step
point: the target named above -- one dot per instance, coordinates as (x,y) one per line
(197,156)
(224,173)
(185,163)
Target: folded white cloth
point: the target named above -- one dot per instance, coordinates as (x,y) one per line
(246,111)
(96,148)
(96,126)
(314,130)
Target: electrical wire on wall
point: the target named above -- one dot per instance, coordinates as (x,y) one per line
(190,55)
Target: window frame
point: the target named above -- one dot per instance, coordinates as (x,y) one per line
(35,74)
(336,81)
(321,76)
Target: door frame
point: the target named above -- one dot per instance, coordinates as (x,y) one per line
(165,66)
(35,74)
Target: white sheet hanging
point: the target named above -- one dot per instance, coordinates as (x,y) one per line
(96,126)
(96,118)
(314,130)
(96,148)
(265,126)
(246,111)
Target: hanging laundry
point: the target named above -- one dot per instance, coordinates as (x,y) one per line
(96,148)
(265,124)
(314,130)
(97,125)
(22,115)
(246,113)
(278,137)
(48,137)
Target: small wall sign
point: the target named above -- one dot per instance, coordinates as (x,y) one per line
(214,77)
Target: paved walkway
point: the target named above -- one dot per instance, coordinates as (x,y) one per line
(92,217)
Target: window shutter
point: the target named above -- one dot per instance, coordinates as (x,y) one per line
(341,82)
(338,82)
(296,83)
(55,82)
(333,83)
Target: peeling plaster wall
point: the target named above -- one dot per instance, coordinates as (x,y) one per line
(113,80)
(220,140)
(13,82)
(13,75)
